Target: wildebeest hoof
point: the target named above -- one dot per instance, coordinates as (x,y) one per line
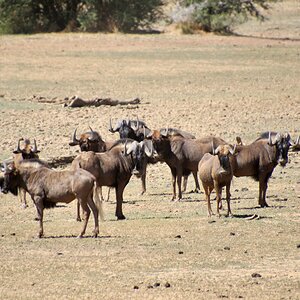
(80,236)
(121,217)
(78,219)
(23,205)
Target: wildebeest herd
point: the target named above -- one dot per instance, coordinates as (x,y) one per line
(112,164)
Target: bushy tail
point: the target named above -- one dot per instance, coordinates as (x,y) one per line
(98,201)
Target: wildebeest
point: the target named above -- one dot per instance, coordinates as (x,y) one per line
(136,130)
(115,167)
(182,155)
(259,159)
(215,172)
(27,152)
(90,141)
(48,187)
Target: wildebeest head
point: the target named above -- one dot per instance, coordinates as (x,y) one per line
(9,181)
(282,142)
(28,150)
(224,152)
(132,129)
(88,141)
(139,152)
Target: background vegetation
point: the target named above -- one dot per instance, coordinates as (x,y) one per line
(32,16)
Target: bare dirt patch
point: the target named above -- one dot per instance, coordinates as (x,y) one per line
(225,86)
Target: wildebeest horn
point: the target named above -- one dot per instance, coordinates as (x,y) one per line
(216,151)
(232,151)
(18,149)
(148,150)
(35,150)
(75,141)
(270,142)
(213,147)
(94,135)
(110,126)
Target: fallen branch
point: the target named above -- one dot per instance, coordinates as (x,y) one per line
(78,102)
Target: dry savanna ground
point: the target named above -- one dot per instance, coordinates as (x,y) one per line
(205,84)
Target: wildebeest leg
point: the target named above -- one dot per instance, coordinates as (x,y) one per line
(78,218)
(218,190)
(207,191)
(143,178)
(197,189)
(228,195)
(184,184)
(119,197)
(94,209)
(38,201)
(22,197)
(263,185)
(179,180)
(86,214)
(173,171)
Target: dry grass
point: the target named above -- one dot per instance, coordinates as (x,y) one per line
(225,86)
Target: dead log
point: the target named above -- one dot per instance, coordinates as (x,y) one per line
(78,102)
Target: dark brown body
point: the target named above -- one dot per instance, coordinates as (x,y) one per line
(47,187)
(182,155)
(258,160)
(115,167)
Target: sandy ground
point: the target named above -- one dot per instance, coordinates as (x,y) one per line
(225,86)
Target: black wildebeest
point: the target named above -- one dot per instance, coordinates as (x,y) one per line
(259,159)
(90,141)
(136,130)
(215,172)
(115,167)
(182,154)
(48,187)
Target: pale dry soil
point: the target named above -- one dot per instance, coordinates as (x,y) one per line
(205,84)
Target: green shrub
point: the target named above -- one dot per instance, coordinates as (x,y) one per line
(218,15)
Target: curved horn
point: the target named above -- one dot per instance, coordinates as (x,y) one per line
(34,149)
(213,147)
(149,152)
(75,141)
(110,126)
(94,135)
(18,149)
(232,151)
(270,139)
(216,151)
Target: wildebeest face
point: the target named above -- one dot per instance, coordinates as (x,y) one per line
(282,143)
(10,181)
(223,152)
(283,149)
(139,153)
(88,141)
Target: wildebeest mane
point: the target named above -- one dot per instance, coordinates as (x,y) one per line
(34,163)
